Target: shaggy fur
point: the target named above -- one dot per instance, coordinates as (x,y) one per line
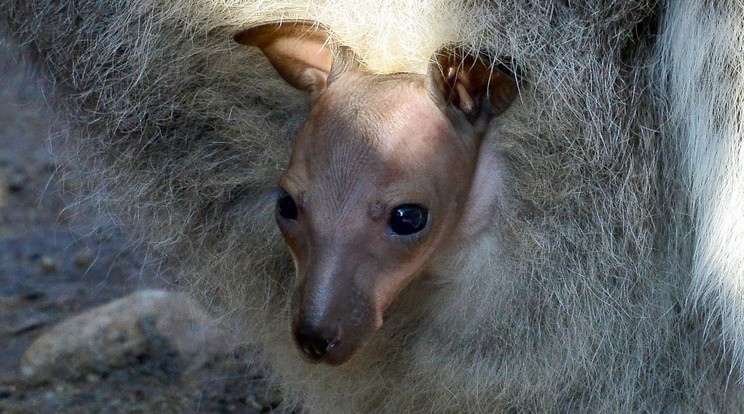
(612,280)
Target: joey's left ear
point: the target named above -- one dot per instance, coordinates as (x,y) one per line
(298,50)
(471,85)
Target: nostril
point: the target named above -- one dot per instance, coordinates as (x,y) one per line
(315,343)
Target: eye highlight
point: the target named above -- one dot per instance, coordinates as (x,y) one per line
(407,219)
(286,206)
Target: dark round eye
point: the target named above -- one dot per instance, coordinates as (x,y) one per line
(285,206)
(408,219)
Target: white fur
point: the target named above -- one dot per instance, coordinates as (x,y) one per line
(705,62)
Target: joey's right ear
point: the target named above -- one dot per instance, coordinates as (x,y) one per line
(298,50)
(471,85)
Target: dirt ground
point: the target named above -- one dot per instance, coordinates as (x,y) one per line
(57,260)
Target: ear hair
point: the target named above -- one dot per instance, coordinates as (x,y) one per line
(471,84)
(344,60)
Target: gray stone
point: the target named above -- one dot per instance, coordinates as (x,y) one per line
(116,334)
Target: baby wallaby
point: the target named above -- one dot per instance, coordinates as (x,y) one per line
(387,173)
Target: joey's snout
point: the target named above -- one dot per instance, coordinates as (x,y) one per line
(330,326)
(316,341)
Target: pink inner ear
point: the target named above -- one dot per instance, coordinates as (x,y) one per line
(309,51)
(297,50)
(463,80)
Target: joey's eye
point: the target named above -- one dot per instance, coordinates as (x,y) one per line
(285,206)
(408,219)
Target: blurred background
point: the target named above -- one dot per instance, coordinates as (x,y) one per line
(59,260)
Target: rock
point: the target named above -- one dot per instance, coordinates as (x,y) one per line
(146,325)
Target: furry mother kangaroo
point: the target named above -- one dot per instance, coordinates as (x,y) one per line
(388,175)
(567,240)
